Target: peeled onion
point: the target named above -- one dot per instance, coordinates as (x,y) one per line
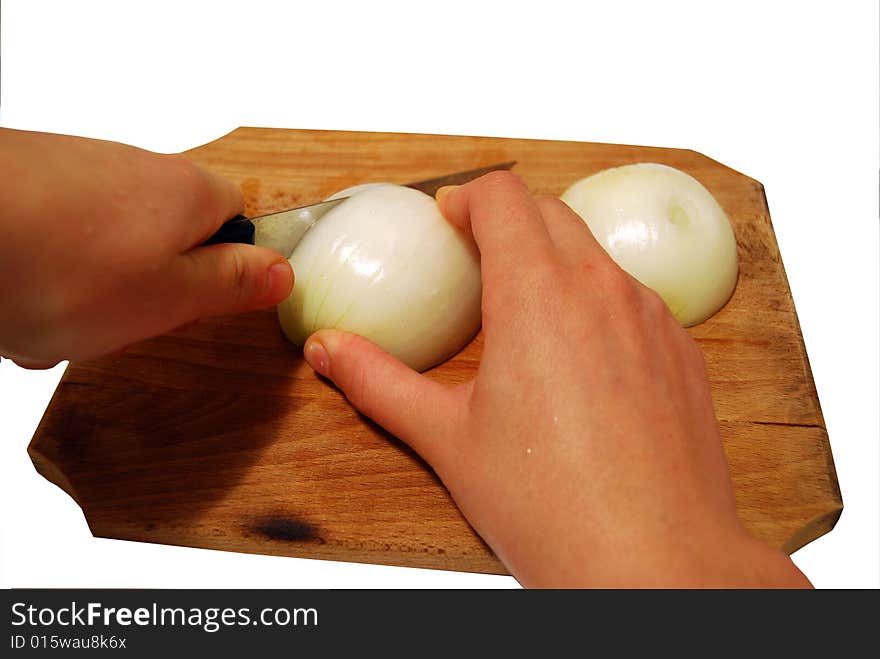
(282,233)
(360,187)
(666,230)
(385,264)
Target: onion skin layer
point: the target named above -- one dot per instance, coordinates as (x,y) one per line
(666,230)
(282,235)
(387,265)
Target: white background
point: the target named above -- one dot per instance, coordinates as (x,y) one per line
(786,92)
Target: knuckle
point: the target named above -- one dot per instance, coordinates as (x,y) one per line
(501,178)
(242,278)
(615,280)
(548,203)
(184,170)
(353,380)
(356,390)
(192,178)
(182,164)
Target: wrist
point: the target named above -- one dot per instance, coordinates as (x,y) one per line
(733,560)
(741,561)
(709,559)
(766,567)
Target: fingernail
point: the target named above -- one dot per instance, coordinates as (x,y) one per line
(317,357)
(441,194)
(279,282)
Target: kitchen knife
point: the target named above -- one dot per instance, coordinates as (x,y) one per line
(241,229)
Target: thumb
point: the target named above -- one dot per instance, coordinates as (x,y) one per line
(423,413)
(232,278)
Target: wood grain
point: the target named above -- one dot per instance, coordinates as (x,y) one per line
(220,436)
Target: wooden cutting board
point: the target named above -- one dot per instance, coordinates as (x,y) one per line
(221,436)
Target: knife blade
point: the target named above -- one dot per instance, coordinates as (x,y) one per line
(297,221)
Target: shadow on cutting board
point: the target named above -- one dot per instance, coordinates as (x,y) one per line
(156,436)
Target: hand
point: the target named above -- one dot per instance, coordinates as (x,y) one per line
(586,451)
(99,248)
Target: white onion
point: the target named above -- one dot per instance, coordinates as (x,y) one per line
(385,264)
(666,230)
(282,233)
(361,187)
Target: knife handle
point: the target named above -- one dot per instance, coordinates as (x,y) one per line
(237,230)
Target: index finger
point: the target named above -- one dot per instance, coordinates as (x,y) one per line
(212,199)
(505,221)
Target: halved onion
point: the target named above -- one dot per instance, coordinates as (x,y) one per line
(666,230)
(385,264)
